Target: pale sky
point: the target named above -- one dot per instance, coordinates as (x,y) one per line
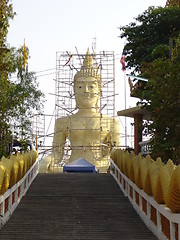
(61,25)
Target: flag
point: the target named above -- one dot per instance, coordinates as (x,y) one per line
(70,56)
(25,55)
(122,61)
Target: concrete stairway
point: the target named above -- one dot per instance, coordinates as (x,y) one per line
(75,207)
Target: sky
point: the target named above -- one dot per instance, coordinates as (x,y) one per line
(64,25)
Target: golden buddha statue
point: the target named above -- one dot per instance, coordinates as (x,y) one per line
(92,135)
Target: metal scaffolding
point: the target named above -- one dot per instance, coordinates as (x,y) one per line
(67,65)
(38,130)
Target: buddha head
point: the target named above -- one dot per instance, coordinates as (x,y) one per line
(87,85)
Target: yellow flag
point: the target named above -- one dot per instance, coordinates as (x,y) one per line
(25,55)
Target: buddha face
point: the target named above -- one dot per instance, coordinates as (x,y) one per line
(86,92)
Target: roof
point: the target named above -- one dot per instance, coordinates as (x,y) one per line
(130,112)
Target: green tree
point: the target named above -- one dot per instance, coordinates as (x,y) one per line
(152,29)
(19,96)
(27,98)
(153,52)
(6,13)
(162,99)
(170,3)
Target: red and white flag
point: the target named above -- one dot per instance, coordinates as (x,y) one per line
(122,61)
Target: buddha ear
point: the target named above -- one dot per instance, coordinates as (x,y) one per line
(97,103)
(76,107)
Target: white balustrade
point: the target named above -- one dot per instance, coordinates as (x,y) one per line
(146,147)
(11,198)
(157,217)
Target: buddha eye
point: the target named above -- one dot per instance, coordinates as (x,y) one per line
(80,87)
(91,86)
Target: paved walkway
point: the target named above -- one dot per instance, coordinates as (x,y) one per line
(75,207)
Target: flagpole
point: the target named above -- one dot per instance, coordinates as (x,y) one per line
(122,61)
(125,107)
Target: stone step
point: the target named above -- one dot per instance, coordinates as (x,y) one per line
(75,206)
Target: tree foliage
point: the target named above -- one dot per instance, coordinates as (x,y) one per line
(163,97)
(26,96)
(153,52)
(152,29)
(19,94)
(171,3)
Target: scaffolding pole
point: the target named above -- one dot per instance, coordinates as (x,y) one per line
(67,64)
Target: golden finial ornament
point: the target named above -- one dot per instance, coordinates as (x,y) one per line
(87,68)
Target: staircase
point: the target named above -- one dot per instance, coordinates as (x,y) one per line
(75,206)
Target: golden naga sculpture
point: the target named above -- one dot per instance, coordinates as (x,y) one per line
(92,135)
(14,168)
(162,181)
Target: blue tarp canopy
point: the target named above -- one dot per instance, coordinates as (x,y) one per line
(79,165)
